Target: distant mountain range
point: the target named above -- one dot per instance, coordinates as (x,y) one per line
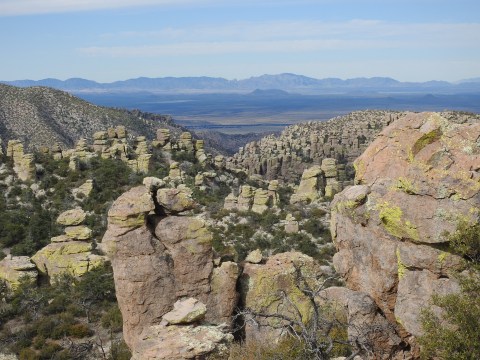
(285,82)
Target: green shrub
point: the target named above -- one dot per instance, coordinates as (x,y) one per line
(49,350)
(454,334)
(112,319)
(119,351)
(79,331)
(28,354)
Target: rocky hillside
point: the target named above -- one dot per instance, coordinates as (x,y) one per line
(41,116)
(300,146)
(124,248)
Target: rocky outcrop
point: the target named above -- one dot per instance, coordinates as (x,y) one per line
(414,184)
(366,325)
(173,260)
(14,269)
(311,186)
(23,164)
(318,182)
(253,199)
(300,146)
(83,191)
(262,287)
(70,253)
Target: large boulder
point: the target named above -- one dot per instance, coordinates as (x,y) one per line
(72,217)
(186,311)
(264,288)
(414,184)
(158,260)
(177,342)
(14,269)
(69,257)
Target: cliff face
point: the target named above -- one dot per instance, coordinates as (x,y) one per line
(41,116)
(414,184)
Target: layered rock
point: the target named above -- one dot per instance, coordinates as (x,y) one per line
(173,260)
(163,139)
(23,164)
(253,199)
(14,269)
(70,253)
(415,183)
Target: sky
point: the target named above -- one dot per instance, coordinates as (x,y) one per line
(109,40)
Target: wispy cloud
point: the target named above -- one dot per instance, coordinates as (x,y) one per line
(26,7)
(29,7)
(286,37)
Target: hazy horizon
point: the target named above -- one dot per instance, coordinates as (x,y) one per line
(235,79)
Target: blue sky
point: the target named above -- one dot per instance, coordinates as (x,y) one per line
(108,40)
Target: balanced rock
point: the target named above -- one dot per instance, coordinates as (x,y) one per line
(79,232)
(175,172)
(129,211)
(72,217)
(153,184)
(172,258)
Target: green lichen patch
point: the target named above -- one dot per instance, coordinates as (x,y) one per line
(391,217)
(424,140)
(400,265)
(405,185)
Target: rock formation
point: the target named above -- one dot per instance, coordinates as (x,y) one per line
(303,145)
(173,260)
(261,287)
(13,269)
(23,164)
(414,184)
(318,182)
(83,191)
(291,224)
(253,199)
(71,252)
